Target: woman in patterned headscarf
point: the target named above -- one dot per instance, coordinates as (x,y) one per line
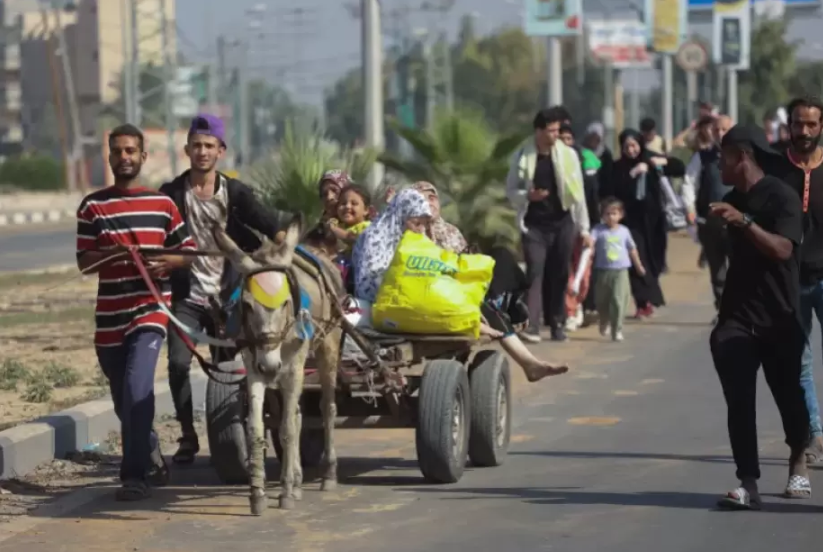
(445,235)
(410,210)
(330,185)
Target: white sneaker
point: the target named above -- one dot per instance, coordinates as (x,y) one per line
(618,337)
(579,316)
(530,337)
(571,324)
(605,329)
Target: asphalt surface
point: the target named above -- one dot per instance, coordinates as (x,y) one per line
(36,246)
(627,453)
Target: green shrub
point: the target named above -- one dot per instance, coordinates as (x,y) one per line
(12,372)
(38,390)
(33,172)
(61,376)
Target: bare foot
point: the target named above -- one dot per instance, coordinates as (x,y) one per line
(544,370)
(488,331)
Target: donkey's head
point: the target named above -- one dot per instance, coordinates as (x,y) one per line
(268,312)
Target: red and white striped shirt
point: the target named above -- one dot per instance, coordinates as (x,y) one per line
(115,217)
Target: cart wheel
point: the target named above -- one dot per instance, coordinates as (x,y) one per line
(226,412)
(443,418)
(491,409)
(312,440)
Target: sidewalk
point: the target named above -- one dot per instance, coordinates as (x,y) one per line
(37,208)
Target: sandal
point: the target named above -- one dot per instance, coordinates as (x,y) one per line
(798,487)
(158,474)
(740,499)
(186,452)
(132,491)
(814,454)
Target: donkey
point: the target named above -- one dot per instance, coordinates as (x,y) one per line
(280,325)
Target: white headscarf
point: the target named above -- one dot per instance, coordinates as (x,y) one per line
(375,248)
(600,130)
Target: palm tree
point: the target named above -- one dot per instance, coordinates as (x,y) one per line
(468,164)
(288,179)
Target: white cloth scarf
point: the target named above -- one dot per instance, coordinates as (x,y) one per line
(374,250)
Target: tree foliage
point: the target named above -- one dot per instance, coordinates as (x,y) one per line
(288,179)
(467,162)
(767,84)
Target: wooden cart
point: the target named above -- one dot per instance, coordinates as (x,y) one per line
(455,393)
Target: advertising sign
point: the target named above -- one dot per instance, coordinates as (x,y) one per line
(709,4)
(553,17)
(623,43)
(667,25)
(731,33)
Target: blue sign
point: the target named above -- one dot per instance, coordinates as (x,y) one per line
(709,4)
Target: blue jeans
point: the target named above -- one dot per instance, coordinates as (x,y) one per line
(130,370)
(811,299)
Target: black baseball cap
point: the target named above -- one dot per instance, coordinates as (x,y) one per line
(749,137)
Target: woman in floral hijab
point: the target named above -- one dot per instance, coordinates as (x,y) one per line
(330,185)
(445,235)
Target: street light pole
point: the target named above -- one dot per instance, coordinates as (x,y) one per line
(168,78)
(74,112)
(372,68)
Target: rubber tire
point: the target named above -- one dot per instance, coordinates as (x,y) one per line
(312,446)
(489,370)
(441,383)
(226,413)
(312,441)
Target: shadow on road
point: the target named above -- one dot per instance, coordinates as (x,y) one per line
(563,496)
(713,459)
(196,490)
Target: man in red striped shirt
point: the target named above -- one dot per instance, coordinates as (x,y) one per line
(130,327)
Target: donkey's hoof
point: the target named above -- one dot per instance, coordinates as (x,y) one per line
(259,504)
(297,493)
(328,485)
(287,502)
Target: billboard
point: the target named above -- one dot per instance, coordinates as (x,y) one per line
(622,43)
(709,4)
(667,25)
(731,33)
(552,17)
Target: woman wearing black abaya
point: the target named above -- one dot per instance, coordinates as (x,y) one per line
(636,182)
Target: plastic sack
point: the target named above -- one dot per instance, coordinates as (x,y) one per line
(428,290)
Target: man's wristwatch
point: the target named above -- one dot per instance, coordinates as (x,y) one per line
(747,220)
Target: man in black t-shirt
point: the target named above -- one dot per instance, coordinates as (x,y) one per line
(759,322)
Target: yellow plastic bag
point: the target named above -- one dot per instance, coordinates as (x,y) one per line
(428,290)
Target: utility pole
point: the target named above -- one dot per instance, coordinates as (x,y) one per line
(168,79)
(732,93)
(220,75)
(77,131)
(135,65)
(128,76)
(372,69)
(555,72)
(245,116)
(56,87)
(668,99)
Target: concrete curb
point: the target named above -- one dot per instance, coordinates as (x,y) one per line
(24,447)
(36,217)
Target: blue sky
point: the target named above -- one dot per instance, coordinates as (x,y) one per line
(305,53)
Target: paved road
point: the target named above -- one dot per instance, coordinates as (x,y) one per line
(628,453)
(36,246)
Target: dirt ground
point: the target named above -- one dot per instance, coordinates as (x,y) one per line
(47,359)
(82,469)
